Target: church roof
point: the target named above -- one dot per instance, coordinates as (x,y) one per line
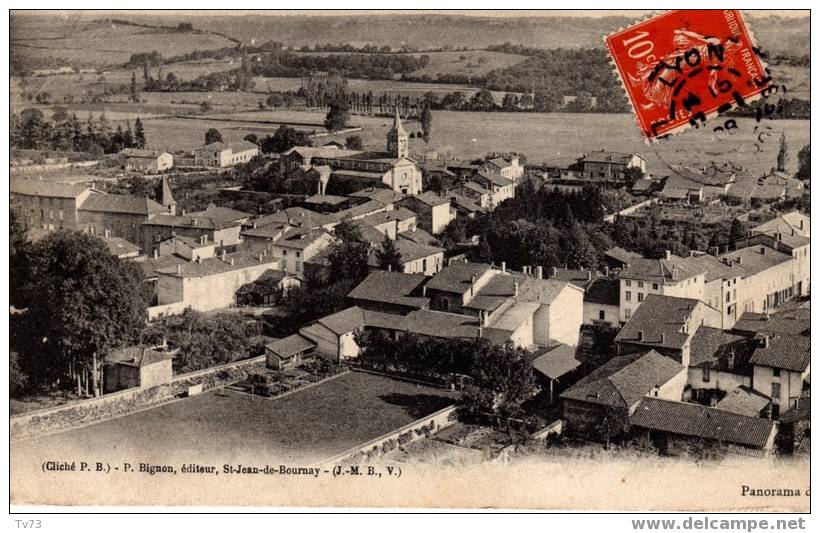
(167,198)
(397,127)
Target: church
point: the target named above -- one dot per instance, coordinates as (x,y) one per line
(392,167)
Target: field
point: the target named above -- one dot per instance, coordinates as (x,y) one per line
(75,40)
(311,424)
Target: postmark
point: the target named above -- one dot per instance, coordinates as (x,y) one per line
(683,67)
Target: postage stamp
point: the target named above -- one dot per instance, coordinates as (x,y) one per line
(683,67)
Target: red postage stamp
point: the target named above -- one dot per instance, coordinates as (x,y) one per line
(683,67)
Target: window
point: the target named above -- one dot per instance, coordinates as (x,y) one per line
(706,374)
(628,296)
(775,393)
(601,315)
(654,286)
(640,296)
(728,296)
(776,372)
(640,284)
(627,313)
(628,283)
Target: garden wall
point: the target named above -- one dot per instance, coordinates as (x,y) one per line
(84,412)
(421,428)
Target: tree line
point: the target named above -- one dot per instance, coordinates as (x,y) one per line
(30,129)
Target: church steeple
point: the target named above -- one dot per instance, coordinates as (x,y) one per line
(167,197)
(397,138)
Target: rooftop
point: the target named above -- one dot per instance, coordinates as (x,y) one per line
(457,277)
(793,321)
(119,246)
(442,325)
(624,380)
(137,356)
(671,269)
(212,266)
(743,401)
(34,187)
(779,350)
(290,346)
(121,203)
(720,350)
(392,288)
(660,320)
(695,420)
(605,156)
(555,361)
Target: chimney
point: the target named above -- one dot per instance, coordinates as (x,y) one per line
(589,275)
(714,250)
(553,272)
(223,254)
(504,267)
(183,212)
(539,272)
(606,270)
(424,291)
(194,221)
(156,253)
(640,335)
(762,250)
(179,269)
(107,233)
(261,256)
(390,268)
(730,360)
(515,288)
(739,260)
(231,261)
(764,342)
(668,255)
(203,239)
(663,338)
(480,332)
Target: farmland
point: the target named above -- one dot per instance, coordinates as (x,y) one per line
(311,424)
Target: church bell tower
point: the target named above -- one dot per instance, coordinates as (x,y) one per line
(397,139)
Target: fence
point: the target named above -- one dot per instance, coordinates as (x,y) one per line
(421,428)
(84,412)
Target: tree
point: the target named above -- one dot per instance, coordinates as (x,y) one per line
(426,123)
(139,134)
(737,232)
(80,302)
(338,115)
(354,142)
(213,136)
(546,101)
(510,102)
(482,101)
(782,154)
(804,163)
(134,94)
(17,378)
(348,255)
(251,138)
(388,256)
(285,138)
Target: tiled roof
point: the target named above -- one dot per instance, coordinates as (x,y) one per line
(659,270)
(756,259)
(399,215)
(121,203)
(789,352)
(221,215)
(411,251)
(327,199)
(476,187)
(468,204)
(624,256)
(141,154)
(660,320)
(152,265)
(119,246)
(290,346)
(457,277)
(418,235)
(496,179)
(801,411)
(392,288)
(513,315)
(379,194)
(787,223)
(442,325)
(216,265)
(240,146)
(694,420)
(556,361)
(300,238)
(720,350)
(723,267)
(794,321)
(344,321)
(743,401)
(44,188)
(362,210)
(430,198)
(624,380)
(137,356)
(309,152)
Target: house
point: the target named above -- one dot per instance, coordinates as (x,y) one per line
(507,167)
(602,302)
(676,426)
(669,276)
(222,226)
(500,188)
(416,257)
(718,364)
(602,402)
(452,288)
(433,211)
(120,248)
(391,222)
(682,189)
(791,322)
(334,335)
(391,292)
(768,280)
(47,205)
(287,352)
(297,245)
(617,258)
(147,161)
(222,155)
(793,223)
(745,401)
(121,215)
(604,165)
(795,428)
(392,168)
(209,283)
(187,247)
(781,366)
(136,366)
(267,288)
(666,324)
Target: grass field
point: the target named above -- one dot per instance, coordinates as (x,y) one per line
(315,423)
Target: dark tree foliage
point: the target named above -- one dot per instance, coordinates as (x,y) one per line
(284,138)
(388,255)
(354,142)
(213,136)
(80,302)
(804,163)
(338,115)
(348,255)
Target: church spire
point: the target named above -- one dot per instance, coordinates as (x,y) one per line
(167,197)
(397,138)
